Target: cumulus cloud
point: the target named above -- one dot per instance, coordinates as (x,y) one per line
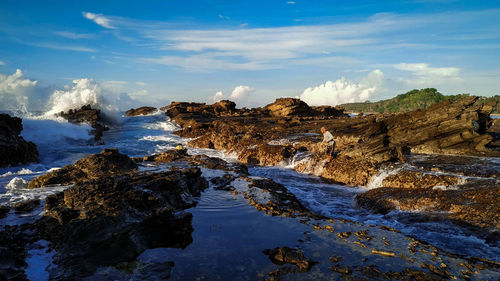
(239,95)
(15,90)
(343,91)
(99,19)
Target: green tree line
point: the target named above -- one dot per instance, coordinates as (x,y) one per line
(412,100)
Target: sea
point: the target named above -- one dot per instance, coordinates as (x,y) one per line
(61,143)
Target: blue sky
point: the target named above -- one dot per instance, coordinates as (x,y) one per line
(325,52)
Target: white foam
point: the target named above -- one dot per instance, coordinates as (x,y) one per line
(442,187)
(49,132)
(82,92)
(23,171)
(17,183)
(163,126)
(376,181)
(158,138)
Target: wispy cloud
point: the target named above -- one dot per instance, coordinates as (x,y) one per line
(237,48)
(424,74)
(2,63)
(99,19)
(62,47)
(73,35)
(291,2)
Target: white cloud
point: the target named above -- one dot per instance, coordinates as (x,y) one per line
(99,19)
(291,2)
(63,47)
(12,83)
(73,35)
(343,91)
(15,91)
(2,63)
(422,74)
(423,69)
(114,85)
(140,83)
(239,95)
(217,97)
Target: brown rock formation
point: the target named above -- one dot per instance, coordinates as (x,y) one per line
(14,150)
(109,162)
(86,115)
(144,110)
(113,213)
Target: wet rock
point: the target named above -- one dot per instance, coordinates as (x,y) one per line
(107,163)
(26,206)
(415,179)
(4,210)
(468,205)
(144,110)
(14,150)
(279,201)
(13,253)
(266,155)
(286,255)
(111,220)
(86,115)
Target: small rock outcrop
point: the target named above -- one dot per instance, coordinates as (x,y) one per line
(86,115)
(285,107)
(144,110)
(107,163)
(14,150)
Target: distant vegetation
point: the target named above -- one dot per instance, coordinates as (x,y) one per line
(415,99)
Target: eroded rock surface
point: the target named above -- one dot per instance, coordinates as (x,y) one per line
(144,110)
(289,129)
(113,213)
(107,163)
(14,150)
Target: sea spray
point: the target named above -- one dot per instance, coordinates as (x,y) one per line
(376,181)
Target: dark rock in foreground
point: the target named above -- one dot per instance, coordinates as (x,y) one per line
(107,163)
(86,115)
(144,110)
(14,150)
(113,213)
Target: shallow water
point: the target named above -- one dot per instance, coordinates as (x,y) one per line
(226,229)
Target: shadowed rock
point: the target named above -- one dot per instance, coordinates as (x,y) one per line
(14,150)
(107,163)
(86,115)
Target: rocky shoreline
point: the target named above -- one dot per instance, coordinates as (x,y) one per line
(117,208)
(287,129)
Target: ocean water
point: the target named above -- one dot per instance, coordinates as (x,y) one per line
(61,143)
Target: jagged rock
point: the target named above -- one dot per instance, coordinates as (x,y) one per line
(144,110)
(109,220)
(14,150)
(285,107)
(469,205)
(413,179)
(286,255)
(86,115)
(107,163)
(26,206)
